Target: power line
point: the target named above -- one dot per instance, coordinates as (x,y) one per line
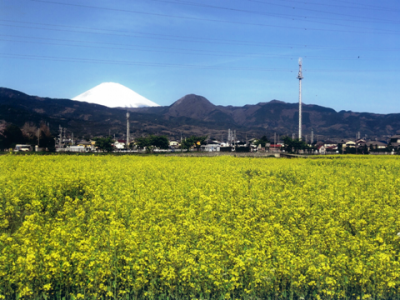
(315,10)
(149,64)
(365,5)
(179,38)
(145,49)
(357,5)
(203,53)
(190,66)
(214,20)
(290,16)
(138,34)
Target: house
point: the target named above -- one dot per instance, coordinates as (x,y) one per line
(119,144)
(174,144)
(210,148)
(332,149)
(395,141)
(348,144)
(321,149)
(330,144)
(77,149)
(87,145)
(360,141)
(372,145)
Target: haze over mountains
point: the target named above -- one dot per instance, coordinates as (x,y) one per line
(193,114)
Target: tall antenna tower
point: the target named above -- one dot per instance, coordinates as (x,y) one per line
(312,136)
(300,77)
(127,129)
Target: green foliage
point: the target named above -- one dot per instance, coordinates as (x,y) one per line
(365,149)
(12,136)
(143,142)
(340,148)
(159,141)
(195,141)
(46,139)
(2,142)
(262,141)
(104,144)
(294,145)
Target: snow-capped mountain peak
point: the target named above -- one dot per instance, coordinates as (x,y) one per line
(113,94)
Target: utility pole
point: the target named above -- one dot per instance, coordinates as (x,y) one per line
(300,77)
(127,130)
(38,137)
(59,141)
(312,136)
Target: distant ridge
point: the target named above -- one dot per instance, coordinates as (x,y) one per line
(113,94)
(194,114)
(191,106)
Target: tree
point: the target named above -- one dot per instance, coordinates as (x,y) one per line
(262,141)
(195,141)
(365,149)
(340,147)
(143,142)
(104,144)
(371,147)
(29,130)
(2,142)
(159,141)
(46,139)
(12,136)
(294,144)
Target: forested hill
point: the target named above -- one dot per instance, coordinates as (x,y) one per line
(193,114)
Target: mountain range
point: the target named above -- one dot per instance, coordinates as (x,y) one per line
(193,114)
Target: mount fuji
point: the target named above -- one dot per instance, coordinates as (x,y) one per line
(113,94)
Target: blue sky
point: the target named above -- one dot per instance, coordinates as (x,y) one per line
(232,52)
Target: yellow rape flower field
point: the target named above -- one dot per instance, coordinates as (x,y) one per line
(130,227)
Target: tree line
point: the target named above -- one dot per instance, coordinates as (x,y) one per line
(151,142)
(29,134)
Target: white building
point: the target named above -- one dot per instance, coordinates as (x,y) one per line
(211,148)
